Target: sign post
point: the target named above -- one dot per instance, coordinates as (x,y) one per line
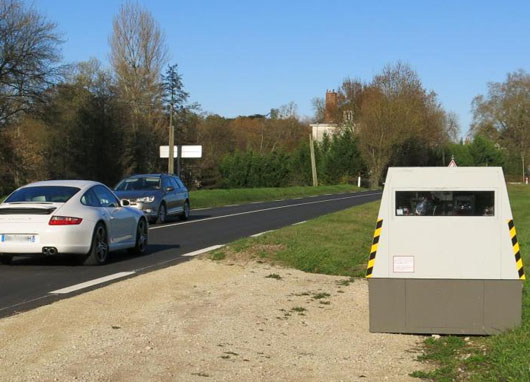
(313,161)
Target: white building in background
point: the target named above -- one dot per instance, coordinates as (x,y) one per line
(329,127)
(318,130)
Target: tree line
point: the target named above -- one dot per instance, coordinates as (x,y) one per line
(338,161)
(88,121)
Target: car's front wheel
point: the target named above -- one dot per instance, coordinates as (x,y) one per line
(185,215)
(6,259)
(162,214)
(142,237)
(99,250)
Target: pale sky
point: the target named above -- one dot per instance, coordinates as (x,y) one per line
(245,57)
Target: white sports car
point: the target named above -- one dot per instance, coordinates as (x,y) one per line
(72,217)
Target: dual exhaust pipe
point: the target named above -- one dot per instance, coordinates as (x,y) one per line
(49,251)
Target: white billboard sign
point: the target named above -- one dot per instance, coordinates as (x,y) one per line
(188,151)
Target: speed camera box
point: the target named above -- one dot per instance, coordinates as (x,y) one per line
(445,257)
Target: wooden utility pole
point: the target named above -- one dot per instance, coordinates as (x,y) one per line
(313,161)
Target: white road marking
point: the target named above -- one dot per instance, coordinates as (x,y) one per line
(231,205)
(90,283)
(302,222)
(204,250)
(262,210)
(261,233)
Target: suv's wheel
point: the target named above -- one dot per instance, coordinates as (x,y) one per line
(162,214)
(142,237)
(99,250)
(185,215)
(6,259)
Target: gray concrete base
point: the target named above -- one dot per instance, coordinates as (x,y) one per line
(444,306)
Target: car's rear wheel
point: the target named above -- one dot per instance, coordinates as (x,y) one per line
(6,259)
(99,250)
(185,215)
(162,214)
(142,238)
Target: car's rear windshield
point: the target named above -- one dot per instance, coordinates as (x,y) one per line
(139,184)
(42,194)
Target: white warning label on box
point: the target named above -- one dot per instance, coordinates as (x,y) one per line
(403,264)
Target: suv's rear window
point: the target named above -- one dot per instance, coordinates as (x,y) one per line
(148,183)
(43,194)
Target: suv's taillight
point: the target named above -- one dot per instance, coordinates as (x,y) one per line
(64,220)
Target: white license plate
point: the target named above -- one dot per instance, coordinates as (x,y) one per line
(18,238)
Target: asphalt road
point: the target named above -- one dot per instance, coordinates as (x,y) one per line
(33,281)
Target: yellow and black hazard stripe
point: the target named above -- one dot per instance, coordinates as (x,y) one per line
(373,250)
(516,251)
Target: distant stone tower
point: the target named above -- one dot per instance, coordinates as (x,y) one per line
(330,110)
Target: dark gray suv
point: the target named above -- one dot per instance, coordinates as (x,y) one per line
(157,195)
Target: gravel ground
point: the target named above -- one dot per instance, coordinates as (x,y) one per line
(203,321)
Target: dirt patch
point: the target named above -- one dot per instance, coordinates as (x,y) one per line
(204,321)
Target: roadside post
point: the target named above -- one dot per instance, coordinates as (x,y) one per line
(313,160)
(445,257)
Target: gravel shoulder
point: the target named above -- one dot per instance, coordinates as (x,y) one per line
(205,321)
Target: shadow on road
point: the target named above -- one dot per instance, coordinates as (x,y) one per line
(75,261)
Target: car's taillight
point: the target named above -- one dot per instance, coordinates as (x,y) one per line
(64,220)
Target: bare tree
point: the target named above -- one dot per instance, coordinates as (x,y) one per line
(396,109)
(138,54)
(452,126)
(289,110)
(506,111)
(376,134)
(319,105)
(350,99)
(28,54)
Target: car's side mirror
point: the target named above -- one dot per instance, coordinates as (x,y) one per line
(169,189)
(124,203)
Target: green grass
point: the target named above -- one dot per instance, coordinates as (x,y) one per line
(504,357)
(221,197)
(335,244)
(219,255)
